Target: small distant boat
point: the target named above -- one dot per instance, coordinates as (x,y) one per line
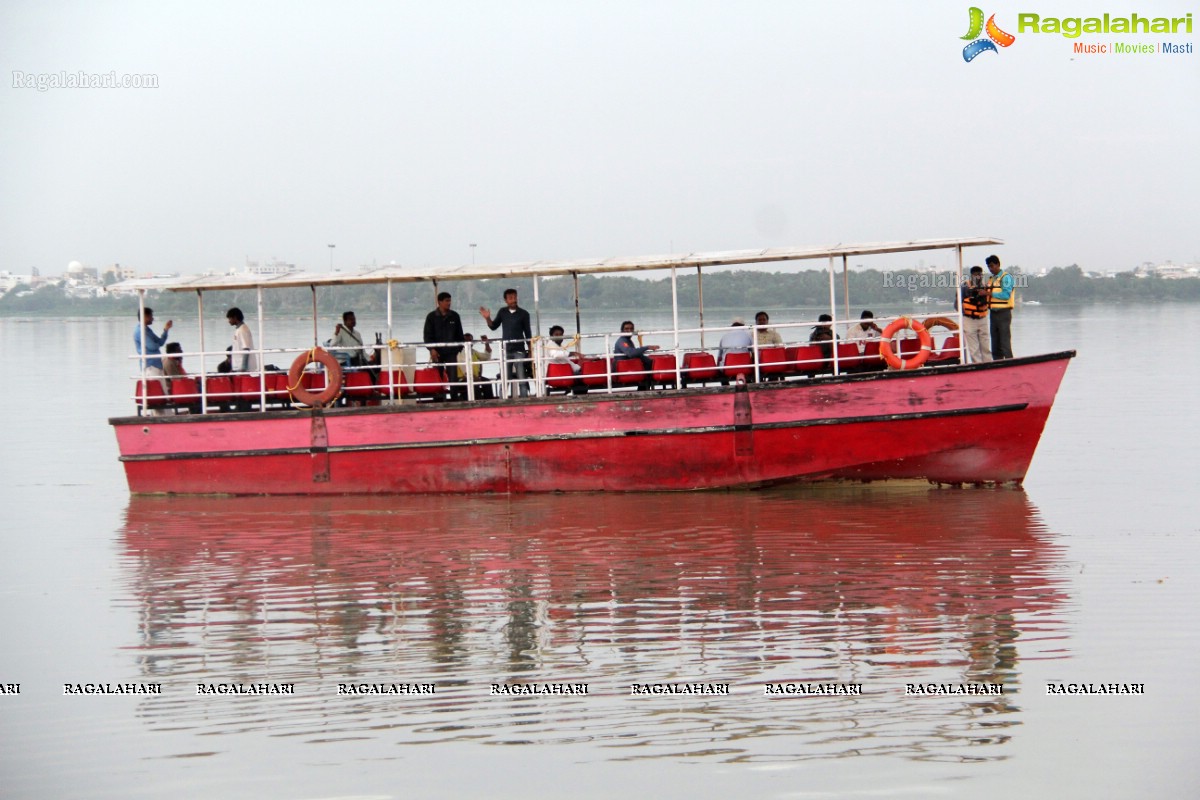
(680,420)
(1032,303)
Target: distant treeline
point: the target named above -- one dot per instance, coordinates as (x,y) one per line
(743,289)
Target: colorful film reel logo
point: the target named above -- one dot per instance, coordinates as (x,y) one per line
(995,36)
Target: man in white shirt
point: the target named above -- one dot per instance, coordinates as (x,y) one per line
(346,344)
(735,341)
(559,353)
(242,357)
(864,330)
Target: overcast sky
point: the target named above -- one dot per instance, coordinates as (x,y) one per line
(407,131)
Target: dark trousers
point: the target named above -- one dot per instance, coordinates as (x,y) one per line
(1001,332)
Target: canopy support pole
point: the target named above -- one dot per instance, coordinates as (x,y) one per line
(203,353)
(262,352)
(833,314)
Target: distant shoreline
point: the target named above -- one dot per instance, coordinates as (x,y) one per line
(744,291)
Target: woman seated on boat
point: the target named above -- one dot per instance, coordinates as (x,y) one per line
(173,364)
(823,336)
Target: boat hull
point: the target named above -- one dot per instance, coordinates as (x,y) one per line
(959,424)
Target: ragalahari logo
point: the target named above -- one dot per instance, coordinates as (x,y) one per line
(995,36)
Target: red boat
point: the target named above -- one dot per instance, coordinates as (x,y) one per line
(783,414)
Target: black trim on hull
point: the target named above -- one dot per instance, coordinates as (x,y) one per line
(808,423)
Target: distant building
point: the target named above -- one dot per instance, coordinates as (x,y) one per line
(268,268)
(1168,271)
(121,273)
(9,280)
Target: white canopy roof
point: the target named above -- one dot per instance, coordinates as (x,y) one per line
(543,268)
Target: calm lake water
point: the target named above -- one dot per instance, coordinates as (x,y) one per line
(1089,575)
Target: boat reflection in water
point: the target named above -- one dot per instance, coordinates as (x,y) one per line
(879,586)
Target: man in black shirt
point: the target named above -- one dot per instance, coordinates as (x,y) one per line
(516,334)
(443,325)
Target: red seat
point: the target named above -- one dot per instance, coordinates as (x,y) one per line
(662,368)
(594,372)
(807,359)
(429,382)
(871,358)
(246,387)
(951,352)
(313,381)
(738,364)
(908,347)
(219,389)
(559,375)
(630,372)
(848,356)
(185,391)
(358,385)
(398,385)
(277,387)
(154,397)
(699,367)
(772,360)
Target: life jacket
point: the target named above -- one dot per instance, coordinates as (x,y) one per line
(995,282)
(974,310)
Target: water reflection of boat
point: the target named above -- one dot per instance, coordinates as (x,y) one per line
(877,587)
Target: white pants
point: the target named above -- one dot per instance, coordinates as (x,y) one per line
(979,340)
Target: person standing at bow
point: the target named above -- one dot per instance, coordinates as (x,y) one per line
(974,300)
(1002,298)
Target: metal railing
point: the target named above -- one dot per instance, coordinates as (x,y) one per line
(393,373)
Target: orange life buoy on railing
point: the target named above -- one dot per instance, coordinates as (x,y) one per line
(333,378)
(885,346)
(945,322)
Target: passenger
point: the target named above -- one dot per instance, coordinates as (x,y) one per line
(153,343)
(974,299)
(242,358)
(444,325)
(1001,289)
(346,345)
(735,341)
(147,344)
(559,353)
(625,348)
(865,330)
(483,387)
(515,334)
(766,337)
(822,335)
(173,366)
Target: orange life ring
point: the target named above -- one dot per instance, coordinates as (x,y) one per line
(945,322)
(885,346)
(333,378)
